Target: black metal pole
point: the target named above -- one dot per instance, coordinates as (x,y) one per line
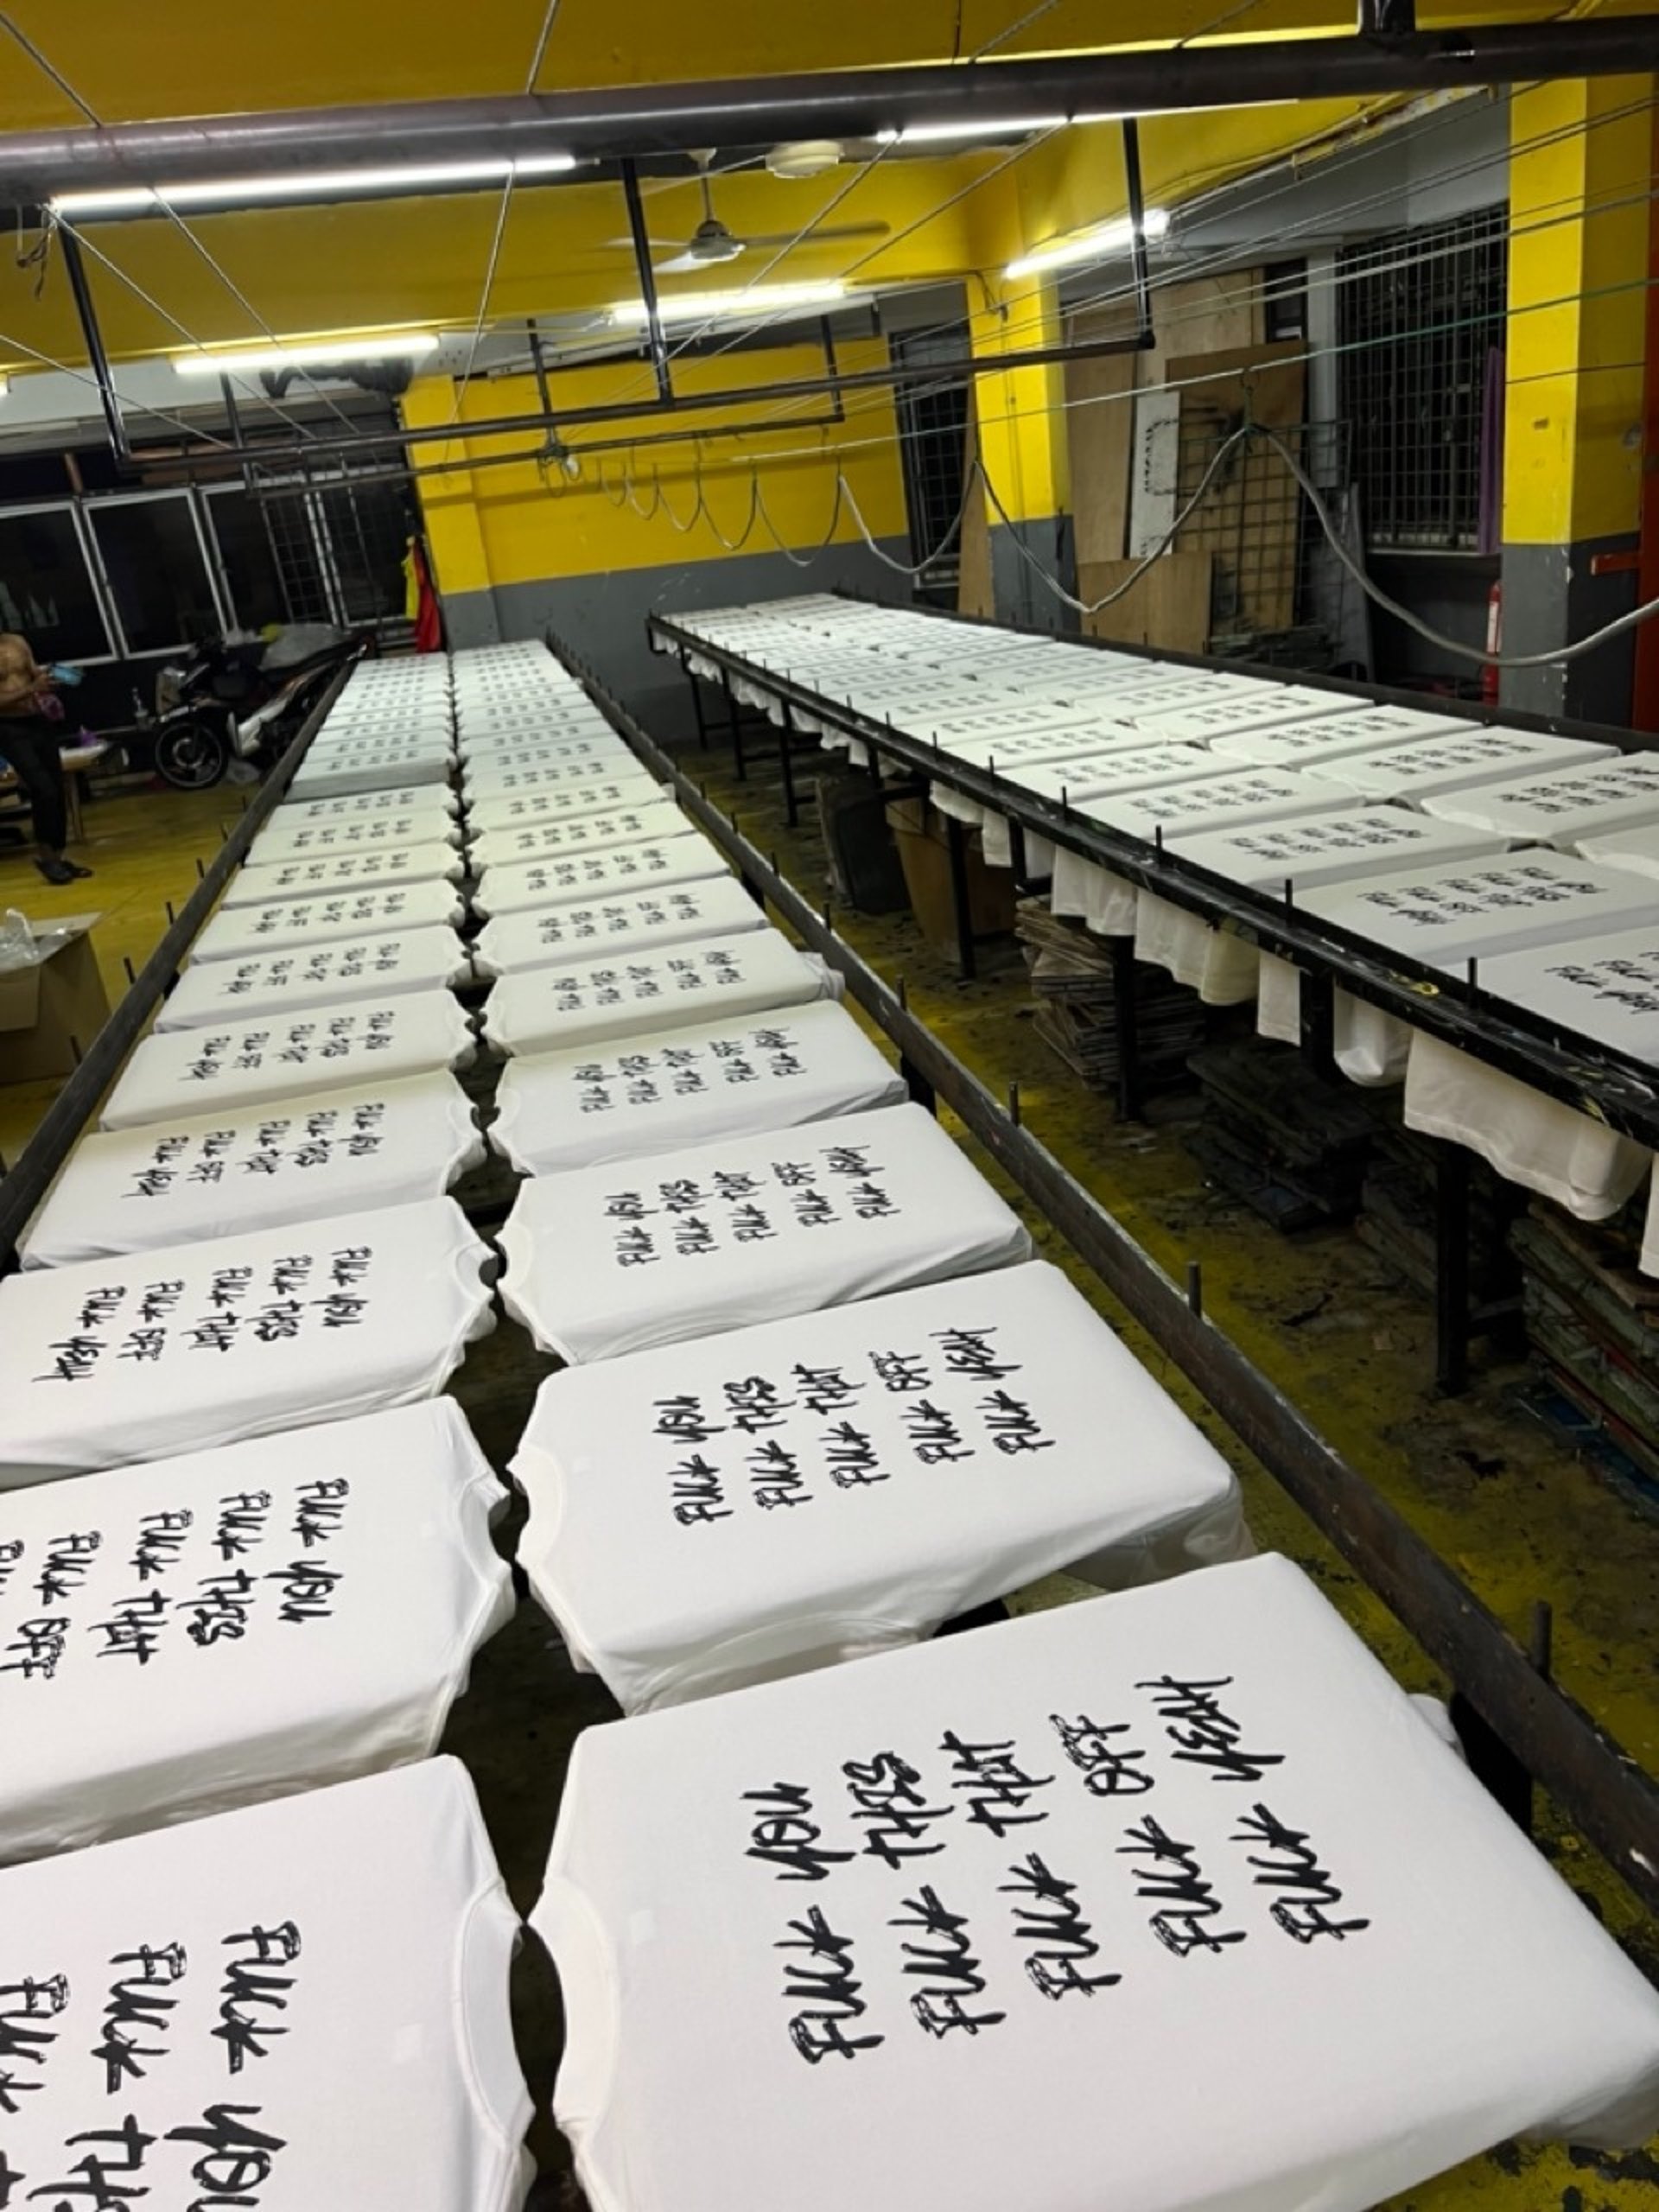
(641,235)
(961,904)
(1137,195)
(86,308)
(1450,1268)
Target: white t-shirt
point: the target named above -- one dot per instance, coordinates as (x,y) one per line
(650,822)
(189,1636)
(490,809)
(1362,729)
(1166,1900)
(300,2007)
(945,1446)
(351,769)
(620,1258)
(574,744)
(325,875)
(190,1346)
(560,880)
(193,1072)
(691,1086)
(273,983)
(537,768)
(547,1009)
(1457,759)
(236,931)
(1559,808)
(414,798)
(366,833)
(257,1167)
(630,922)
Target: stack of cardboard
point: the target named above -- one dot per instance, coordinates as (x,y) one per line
(1070,972)
(1593,1323)
(1291,1145)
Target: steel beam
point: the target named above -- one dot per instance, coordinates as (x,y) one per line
(619,121)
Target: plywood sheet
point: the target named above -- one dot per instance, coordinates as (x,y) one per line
(1169,607)
(975,594)
(1100,431)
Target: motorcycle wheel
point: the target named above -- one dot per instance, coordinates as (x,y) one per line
(192,756)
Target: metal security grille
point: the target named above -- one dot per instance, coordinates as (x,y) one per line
(1421,327)
(339,547)
(1271,596)
(933,439)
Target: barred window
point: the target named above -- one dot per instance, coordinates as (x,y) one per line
(1421,330)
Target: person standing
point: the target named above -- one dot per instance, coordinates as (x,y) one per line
(28,740)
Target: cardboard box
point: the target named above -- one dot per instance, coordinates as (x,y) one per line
(921,832)
(53,1005)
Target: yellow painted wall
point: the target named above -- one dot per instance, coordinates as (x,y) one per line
(1578,302)
(514,524)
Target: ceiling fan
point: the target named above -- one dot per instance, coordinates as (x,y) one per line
(714,241)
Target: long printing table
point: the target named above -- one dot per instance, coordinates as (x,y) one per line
(964,1422)
(1587,1074)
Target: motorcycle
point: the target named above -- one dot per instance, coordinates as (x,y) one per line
(236,703)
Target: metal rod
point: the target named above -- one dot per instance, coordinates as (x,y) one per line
(538,365)
(1601,1789)
(1387,18)
(80,291)
(641,122)
(1137,198)
(647,276)
(893,373)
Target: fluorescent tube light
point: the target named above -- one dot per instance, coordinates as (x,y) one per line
(759,301)
(324,353)
(1098,245)
(938,133)
(303,185)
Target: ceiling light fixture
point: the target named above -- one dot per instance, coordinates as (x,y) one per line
(308,185)
(940,134)
(324,353)
(1097,244)
(936,134)
(759,302)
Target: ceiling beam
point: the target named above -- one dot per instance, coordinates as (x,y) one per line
(641,122)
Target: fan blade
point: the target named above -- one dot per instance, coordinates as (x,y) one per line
(827,236)
(685,264)
(626,245)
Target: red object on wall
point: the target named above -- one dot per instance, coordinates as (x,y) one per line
(423,600)
(1488,675)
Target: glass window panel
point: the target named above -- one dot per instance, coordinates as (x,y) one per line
(251,566)
(158,576)
(45,590)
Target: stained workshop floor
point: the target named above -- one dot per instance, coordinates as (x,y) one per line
(1514,1509)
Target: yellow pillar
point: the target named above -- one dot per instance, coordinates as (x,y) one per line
(1580,171)
(1021,422)
(455,533)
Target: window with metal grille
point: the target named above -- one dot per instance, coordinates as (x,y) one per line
(1421,331)
(933,439)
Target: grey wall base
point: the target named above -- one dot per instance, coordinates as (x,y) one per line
(603,616)
(1020,593)
(1551,599)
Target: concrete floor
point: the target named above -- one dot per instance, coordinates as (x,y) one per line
(1511,1507)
